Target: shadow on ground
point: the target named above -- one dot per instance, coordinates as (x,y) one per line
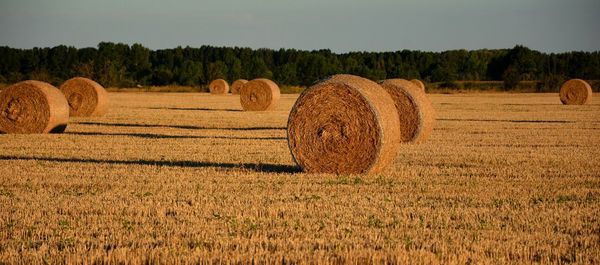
(507,104)
(164,136)
(258,167)
(515,121)
(202,109)
(531,104)
(191,127)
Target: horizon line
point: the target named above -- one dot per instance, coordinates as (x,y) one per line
(296,49)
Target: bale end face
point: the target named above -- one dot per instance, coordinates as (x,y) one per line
(259,95)
(86,97)
(343,125)
(218,86)
(33,107)
(418,83)
(237,86)
(576,92)
(415,111)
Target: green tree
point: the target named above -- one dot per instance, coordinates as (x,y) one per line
(110,67)
(287,74)
(84,69)
(190,73)
(511,78)
(259,69)
(216,70)
(550,83)
(162,76)
(378,71)
(235,69)
(139,68)
(117,64)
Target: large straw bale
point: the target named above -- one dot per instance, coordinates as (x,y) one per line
(33,107)
(344,125)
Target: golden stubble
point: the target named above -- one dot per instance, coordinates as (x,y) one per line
(167,177)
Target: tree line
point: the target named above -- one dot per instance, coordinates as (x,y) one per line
(122,65)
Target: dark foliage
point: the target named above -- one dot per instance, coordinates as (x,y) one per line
(121,65)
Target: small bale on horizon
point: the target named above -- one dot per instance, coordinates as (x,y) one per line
(218,86)
(575,92)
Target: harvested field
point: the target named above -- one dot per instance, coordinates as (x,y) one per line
(503,178)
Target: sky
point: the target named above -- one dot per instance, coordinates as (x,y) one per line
(338,25)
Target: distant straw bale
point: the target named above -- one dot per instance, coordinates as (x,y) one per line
(415,111)
(259,95)
(575,92)
(237,85)
(86,97)
(218,86)
(33,107)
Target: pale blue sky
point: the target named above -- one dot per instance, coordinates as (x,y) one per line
(339,25)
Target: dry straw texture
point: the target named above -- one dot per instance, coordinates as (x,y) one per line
(415,112)
(33,107)
(576,92)
(259,95)
(418,83)
(86,97)
(344,125)
(218,86)
(498,182)
(237,85)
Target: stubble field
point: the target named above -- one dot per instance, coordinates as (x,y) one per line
(169,177)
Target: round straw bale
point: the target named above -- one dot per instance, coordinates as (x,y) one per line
(218,86)
(259,95)
(415,111)
(576,92)
(33,107)
(86,97)
(418,83)
(344,124)
(237,85)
